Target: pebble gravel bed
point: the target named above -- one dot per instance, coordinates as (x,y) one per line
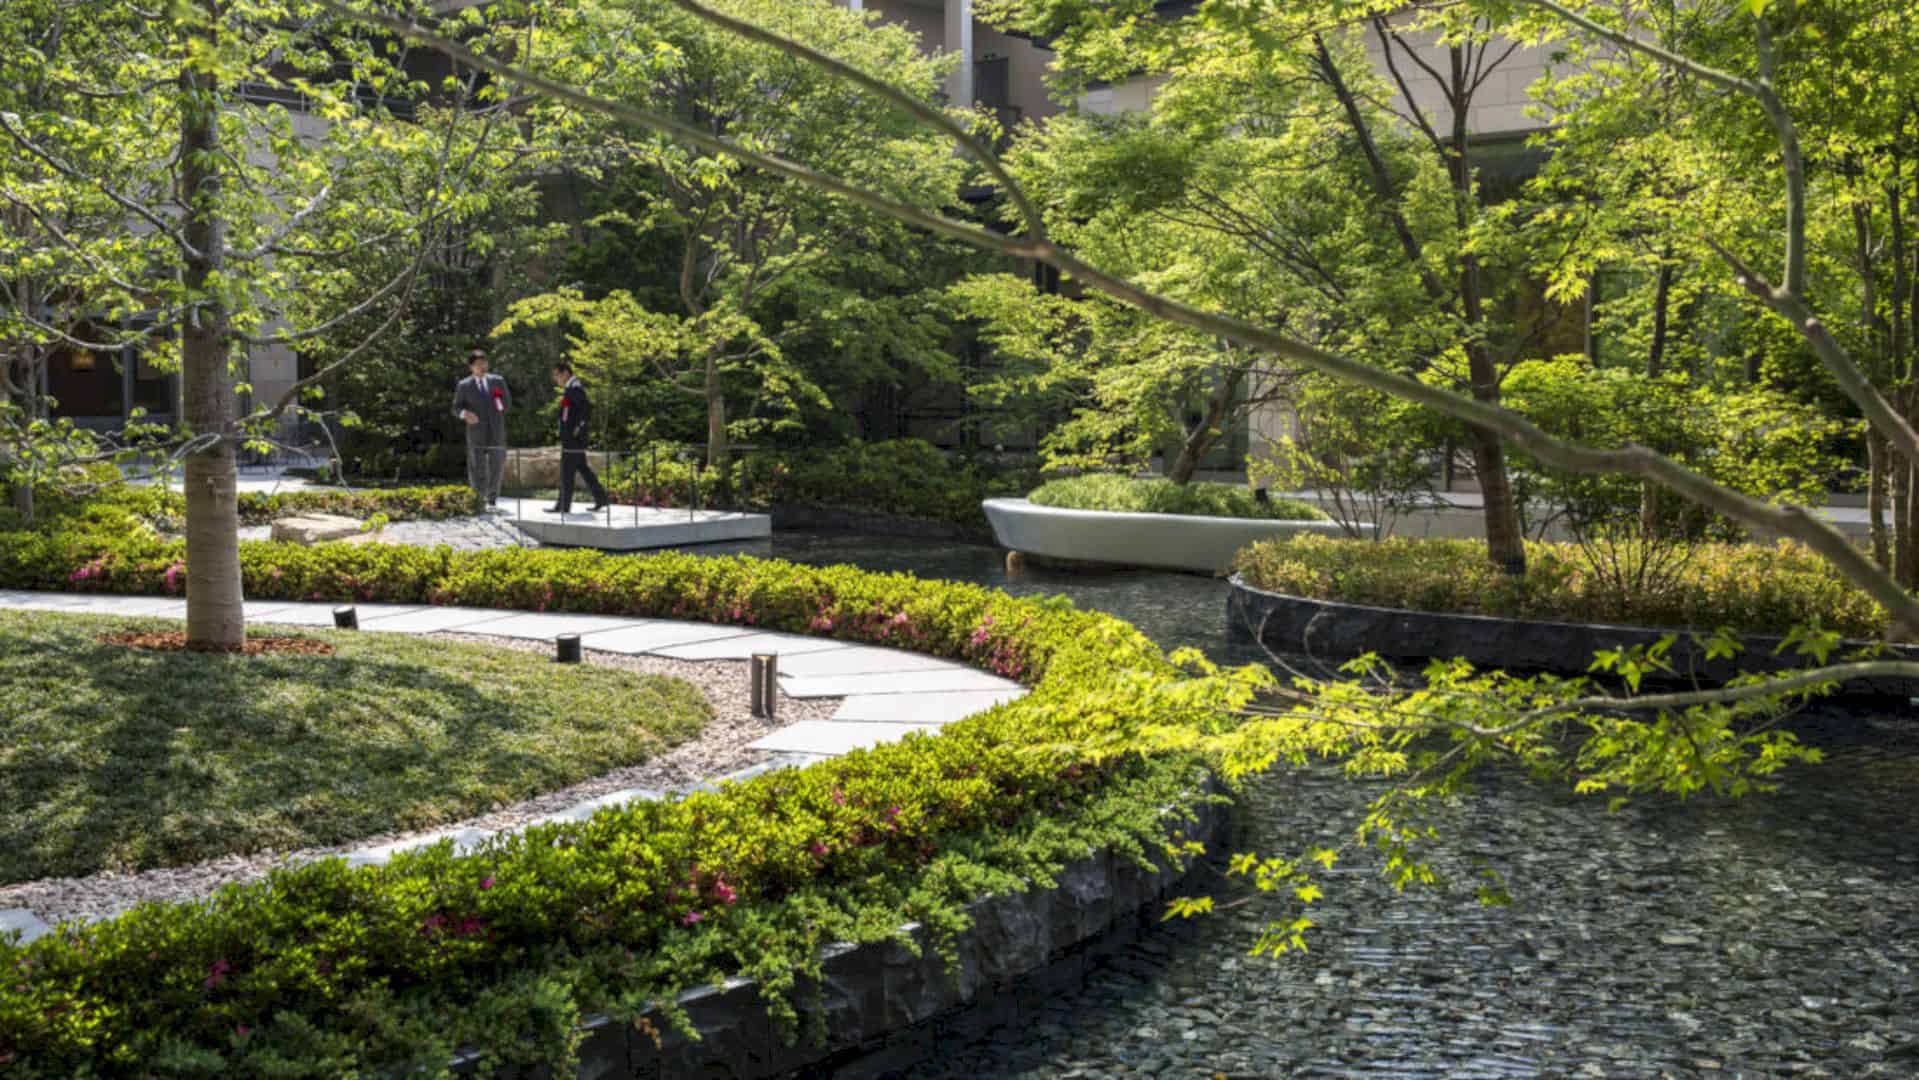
(462,534)
(1768,936)
(718,750)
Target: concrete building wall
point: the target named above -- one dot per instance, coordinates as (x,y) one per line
(939,26)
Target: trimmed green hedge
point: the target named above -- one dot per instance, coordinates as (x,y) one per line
(323,971)
(1751,589)
(1125,494)
(262,508)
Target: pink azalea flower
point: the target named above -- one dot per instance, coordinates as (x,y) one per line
(486,883)
(691,917)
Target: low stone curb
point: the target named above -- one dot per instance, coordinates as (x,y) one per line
(1334,632)
(883,1001)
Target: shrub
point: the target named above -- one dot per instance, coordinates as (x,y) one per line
(905,478)
(1107,491)
(1751,589)
(166,509)
(323,970)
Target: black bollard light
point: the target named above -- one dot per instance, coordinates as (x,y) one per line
(766,685)
(567,649)
(346,618)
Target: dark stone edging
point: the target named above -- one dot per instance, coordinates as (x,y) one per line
(1334,632)
(882,1002)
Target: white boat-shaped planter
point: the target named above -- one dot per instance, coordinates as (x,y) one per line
(1168,541)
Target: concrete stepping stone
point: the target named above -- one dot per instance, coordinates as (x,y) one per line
(933,681)
(744,646)
(533,626)
(151,607)
(19,920)
(859,660)
(831,738)
(322,614)
(259,610)
(464,841)
(582,811)
(647,637)
(943,708)
(432,620)
(56,601)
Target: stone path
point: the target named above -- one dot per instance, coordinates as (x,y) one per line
(886,693)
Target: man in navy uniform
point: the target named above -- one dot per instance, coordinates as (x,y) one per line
(481,401)
(575,413)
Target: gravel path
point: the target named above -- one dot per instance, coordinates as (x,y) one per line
(717,751)
(462,534)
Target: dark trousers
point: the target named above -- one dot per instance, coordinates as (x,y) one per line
(573,462)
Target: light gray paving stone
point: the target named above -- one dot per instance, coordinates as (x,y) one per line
(432,620)
(922,708)
(933,681)
(257,610)
(46,601)
(26,923)
(859,660)
(543,627)
(831,738)
(648,637)
(744,646)
(152,607)
(464,841)
(322,614)
(582,811)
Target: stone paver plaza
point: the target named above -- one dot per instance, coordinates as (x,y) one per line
(887,693)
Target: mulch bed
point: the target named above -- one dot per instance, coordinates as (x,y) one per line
(176,641)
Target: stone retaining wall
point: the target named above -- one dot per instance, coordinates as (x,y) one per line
(1334,632)
(881,1000)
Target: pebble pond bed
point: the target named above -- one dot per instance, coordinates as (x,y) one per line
(1770,936)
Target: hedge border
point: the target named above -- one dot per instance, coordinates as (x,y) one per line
(1092,675)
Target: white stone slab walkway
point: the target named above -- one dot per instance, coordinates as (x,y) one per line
(888,693)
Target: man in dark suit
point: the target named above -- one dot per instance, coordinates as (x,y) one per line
(480,401)
(576,412)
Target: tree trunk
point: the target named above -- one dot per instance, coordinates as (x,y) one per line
(214,616)
(1878,452)
(1661,301)
(1906,554)
(1505,542)
(715,412)
(1655,367)
(1201,436)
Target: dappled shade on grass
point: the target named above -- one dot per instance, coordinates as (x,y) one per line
(127,759)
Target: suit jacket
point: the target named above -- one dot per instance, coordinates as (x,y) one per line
(576,412)
(477,396)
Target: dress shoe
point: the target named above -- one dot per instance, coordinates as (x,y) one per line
(597,507)
(558,510)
